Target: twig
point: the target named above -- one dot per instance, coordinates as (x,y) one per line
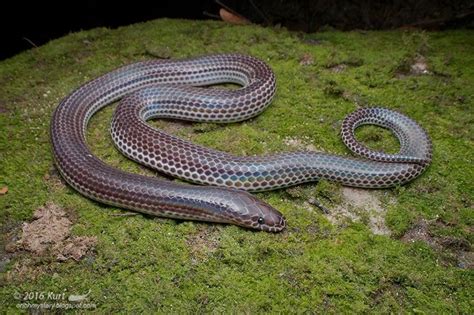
(30,42)
(211,15)
(316,203)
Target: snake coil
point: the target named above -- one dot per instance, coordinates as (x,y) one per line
(170,89)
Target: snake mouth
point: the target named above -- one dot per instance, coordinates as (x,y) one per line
(276,227)
(272,227)
(268,219)
(246,210)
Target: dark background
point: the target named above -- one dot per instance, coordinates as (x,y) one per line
(37,22)
(26,25)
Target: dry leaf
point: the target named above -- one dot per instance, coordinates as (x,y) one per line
(3,190)
(232,18)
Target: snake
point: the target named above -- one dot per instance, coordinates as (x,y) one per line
(179,89)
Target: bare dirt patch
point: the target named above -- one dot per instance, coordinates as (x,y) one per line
(300,144)
(343,66)
(306,60)
(419,66)
(453,249)
(50,232)
(361,205)
(338,68)
(420,232)
(415,66)
(54,180)
(203,243)
(465,260)
(172,127)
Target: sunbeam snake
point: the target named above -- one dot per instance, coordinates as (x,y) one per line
(173,89)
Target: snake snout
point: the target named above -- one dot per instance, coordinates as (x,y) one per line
(256,214)
(271,220)
(267,218)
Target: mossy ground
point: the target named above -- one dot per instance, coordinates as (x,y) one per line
(144,264)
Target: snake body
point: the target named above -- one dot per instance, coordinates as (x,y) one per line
(170,89)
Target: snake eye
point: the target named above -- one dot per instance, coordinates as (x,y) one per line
(260,220)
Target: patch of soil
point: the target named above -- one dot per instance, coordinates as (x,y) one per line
(306,60)
(420,232)
(357,99)
(360,203)
(50,232)
(203,243)
(465,260)
(74,248)
(26,269)
(338,68)
(413,67)
(54,179)
(179,128)
(299,144)
(342,66)
(419,66)
(459,249)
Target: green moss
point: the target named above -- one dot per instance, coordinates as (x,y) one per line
(143,264)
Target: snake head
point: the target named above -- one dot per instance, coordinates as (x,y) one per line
(250,212)
(269,220)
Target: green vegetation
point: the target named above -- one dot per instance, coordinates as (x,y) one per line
(142,263)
